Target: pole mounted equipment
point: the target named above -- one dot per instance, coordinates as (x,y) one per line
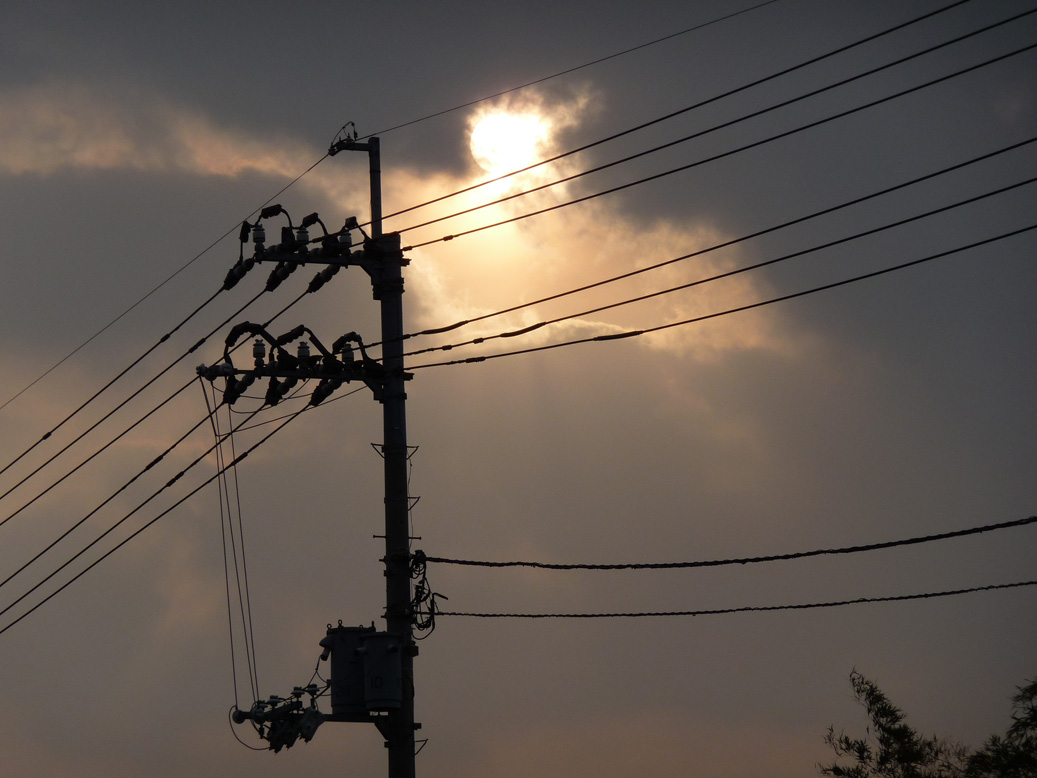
(386,658)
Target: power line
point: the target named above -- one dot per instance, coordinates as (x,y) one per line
(682,168)
(112,496)
(739,309)
(121,405)
(295,180)
(100,391)
(566,72)
(723,125)
(727,274)
(141,419)
(178,271)
(744,560)
(686,109)
(744,609)
(137,532)
(725,244)
(240,569)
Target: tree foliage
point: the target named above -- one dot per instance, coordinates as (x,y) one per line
(891,748)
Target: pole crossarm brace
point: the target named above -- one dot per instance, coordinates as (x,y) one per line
(332,367)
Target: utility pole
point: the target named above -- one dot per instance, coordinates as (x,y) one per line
(398,613)
(387,283)
(372,678)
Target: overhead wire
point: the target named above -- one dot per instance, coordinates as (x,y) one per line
(686,109)
(179,270)
(385,131)
(838,551)
(744,609)
(293,416)
(107,500)
(725,244)
(108,385)
(750,306)
(240,569)
(148,467)
(111,442)
(47,435)
(118,407)
(723,125)
(715,157)
(728,273)
(239,458)
(576,68)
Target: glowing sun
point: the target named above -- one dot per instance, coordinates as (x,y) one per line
(506,142)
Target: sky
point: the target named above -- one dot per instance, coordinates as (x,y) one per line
(136,137)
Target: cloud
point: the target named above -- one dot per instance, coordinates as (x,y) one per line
(60,125)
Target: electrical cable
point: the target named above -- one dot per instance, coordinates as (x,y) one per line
(181,269)
(226,567)
(139,421)
(110,413)
(913,541)
(323,404)
(240,426)
(93,397)
(566,72)
(246,606)
(726,274)
(96,453)
(111,497)
(118,523)
(684,110)
(744,609)
(225,527)
(755,144)
(723,125)
(137,532)
(739,309)
(121,405)
(320,160)
(725,244)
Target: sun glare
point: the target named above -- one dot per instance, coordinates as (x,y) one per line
(504,142)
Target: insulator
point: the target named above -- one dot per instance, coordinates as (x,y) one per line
(259,235)
(345,238)
(304,350)
(259,349)
(234,275)
(273,393)
(302,235)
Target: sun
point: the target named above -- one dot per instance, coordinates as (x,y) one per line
(506,142)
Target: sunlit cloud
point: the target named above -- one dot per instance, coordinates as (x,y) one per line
(59,126)
(567,248)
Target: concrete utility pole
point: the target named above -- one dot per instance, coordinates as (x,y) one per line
(388,289)
(372,678)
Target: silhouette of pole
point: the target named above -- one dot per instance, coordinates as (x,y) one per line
(384,263)
(389,289)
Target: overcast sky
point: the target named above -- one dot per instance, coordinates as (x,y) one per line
(134,135)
